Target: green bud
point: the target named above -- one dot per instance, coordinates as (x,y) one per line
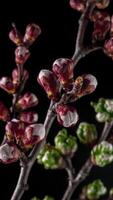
(111,192)
(66,144)
(35,198)
(104,109)
(102,154)
(109,105)
(48,198)
(86,133)
(95,190)
(99,106)
(103,117)
(50,157)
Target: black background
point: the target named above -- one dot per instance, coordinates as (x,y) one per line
(59,25)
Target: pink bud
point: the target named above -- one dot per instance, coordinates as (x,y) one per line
(15,130)
(33,134)
(32,32)
(21,54)
(29,117)
(66,115)
(85,84)
(63,68)
(28,100)
(111,29)
(102,4)
(9,153)
(78,5)
(7,85)
(108,47)
(16,37)
(4,112)
(15,75)
(49,82)
(101,25)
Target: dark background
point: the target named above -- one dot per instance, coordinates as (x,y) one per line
(59,25)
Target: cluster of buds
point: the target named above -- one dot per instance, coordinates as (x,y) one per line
(22,52)
(104,110)
(66,144)
(21,133)
(24,135)
(51,158)
(62,77)
(28,100)
(45,198)
(94,190)
(87,133)
(80,5)
(102,154)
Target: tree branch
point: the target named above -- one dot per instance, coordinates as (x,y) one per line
(83,22)
(26,168)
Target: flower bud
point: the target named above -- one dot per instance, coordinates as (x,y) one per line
(63,68)
(48,198)
(84,85)
(15,75)
(108,47)
(35,198)
(9,153)
(66,144)
(16,37)
(101,25)
(49,82)
(21,55)
(50,157)
(7,85)
(33,134)
(111,194)
(103,117)
(111,28)
(28,117)
(78,5)
(86,133)
(102,154)
(31,33)
(28,100)
(102,4)
(4,112)
(15,130)
(94,190)
(104,110)
(66,115)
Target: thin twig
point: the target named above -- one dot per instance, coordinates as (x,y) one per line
(83,22)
